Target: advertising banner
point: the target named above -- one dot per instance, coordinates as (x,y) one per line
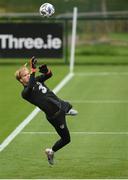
(21,40)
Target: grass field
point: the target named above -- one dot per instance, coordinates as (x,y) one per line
(99,146)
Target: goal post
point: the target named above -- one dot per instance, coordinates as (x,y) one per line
(73,40)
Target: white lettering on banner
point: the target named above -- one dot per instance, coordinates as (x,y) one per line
(11,42)
(3,40)
(56,43)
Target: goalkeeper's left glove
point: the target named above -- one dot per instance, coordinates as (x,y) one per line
(33,62)
(43,69)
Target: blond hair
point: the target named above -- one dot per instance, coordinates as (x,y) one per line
(19,71)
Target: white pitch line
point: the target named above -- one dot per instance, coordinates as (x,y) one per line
(82,132)
(27,120)
(102,74)
(99,101)
(63,82)
(19,128)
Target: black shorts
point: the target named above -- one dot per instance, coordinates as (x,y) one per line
(60,125)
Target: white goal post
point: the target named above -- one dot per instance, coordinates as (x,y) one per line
(73,40)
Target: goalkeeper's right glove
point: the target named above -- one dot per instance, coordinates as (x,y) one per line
(33,62)
(43,69)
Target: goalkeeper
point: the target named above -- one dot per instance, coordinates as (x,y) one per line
(37,93)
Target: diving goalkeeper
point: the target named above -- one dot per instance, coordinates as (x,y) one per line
(36,92)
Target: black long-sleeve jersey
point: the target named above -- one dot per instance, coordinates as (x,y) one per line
(37,93)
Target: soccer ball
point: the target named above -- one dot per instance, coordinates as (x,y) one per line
(47,10)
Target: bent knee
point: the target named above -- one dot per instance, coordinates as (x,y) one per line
(67,140)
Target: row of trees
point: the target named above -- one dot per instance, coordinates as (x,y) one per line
(63,6)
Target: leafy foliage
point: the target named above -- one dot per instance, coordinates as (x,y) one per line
(63,5)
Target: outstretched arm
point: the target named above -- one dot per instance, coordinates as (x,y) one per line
(31,83)
(28,88)
(46,73)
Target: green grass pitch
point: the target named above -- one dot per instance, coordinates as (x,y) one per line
(99,145)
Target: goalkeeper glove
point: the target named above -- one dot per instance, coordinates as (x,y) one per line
(43,68)
(33,62)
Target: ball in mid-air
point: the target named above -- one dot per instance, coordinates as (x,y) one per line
(47,10)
